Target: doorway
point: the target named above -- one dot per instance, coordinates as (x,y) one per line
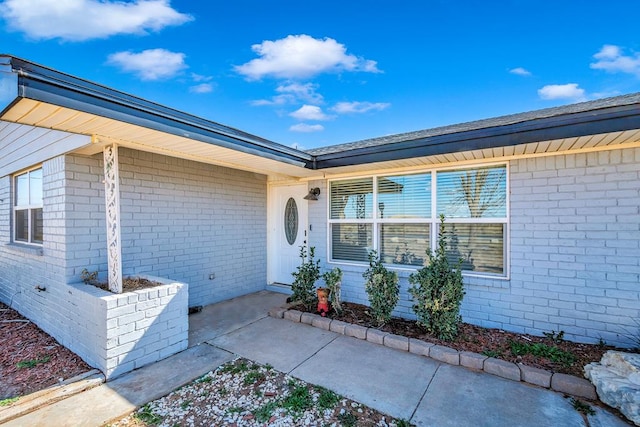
(288,225)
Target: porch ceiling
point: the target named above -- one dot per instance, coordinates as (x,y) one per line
(105,130)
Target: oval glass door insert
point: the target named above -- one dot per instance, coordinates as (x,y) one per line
(291,221)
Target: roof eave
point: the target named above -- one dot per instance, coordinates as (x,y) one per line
(49,86)
(611,119)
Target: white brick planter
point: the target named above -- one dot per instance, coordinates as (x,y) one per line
(118,333)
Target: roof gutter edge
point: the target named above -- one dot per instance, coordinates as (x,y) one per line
(609,119)
(57,88)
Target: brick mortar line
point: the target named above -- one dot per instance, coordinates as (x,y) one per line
(562,383)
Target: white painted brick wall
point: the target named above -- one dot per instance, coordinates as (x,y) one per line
(185,220)
(575,233)
(192,220)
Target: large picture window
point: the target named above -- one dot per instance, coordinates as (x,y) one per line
(398,216)
(28,207)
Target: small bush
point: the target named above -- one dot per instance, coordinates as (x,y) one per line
(90,278)
(304,279)
(437,290)
(383,289)
(333,279)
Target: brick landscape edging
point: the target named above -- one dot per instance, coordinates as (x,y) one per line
(561,383)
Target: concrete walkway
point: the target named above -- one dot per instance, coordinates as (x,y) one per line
(401,384)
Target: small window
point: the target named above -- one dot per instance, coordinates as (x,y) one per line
(27,210)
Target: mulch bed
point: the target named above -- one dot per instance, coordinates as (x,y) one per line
(130,284)
(30,359)
(493,342)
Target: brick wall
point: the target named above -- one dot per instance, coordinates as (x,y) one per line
(187,220)
(574,245)
(181,220)
(142,327)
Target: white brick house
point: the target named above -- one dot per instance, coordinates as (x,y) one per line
(550,238)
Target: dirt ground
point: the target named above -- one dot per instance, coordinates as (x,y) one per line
(30,359)
(493,342)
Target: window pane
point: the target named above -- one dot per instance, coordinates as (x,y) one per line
(352,199)
(22,190)
(351,242)
(480,246)
(22,225)
(473,193)
(404,243)
(35,187)
(407,196)
(36,225)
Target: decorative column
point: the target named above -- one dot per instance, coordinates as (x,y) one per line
(112,208)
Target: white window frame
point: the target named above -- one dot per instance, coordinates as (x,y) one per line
(29,207)
(433,222)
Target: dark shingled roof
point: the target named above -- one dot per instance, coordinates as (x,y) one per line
(581,107)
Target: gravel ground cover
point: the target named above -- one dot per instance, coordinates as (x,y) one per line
(244,393)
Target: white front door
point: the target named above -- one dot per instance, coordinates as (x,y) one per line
(288,225)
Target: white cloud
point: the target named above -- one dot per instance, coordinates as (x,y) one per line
(201,88)
(520,71)
(302,56)
(310,112)
(200,78)
(306,128)
(276,100)
(304,92)
(359,107)
(568,91)
(291,93)
(611,59)
(152,64)
(78,20)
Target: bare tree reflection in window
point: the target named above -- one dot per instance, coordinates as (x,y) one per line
(479,193)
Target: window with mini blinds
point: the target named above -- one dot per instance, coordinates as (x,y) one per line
(27,210)
(398,216)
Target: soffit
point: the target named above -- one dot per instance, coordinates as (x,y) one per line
(589,143)
(105,131)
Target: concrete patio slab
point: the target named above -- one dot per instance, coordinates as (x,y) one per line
(395,380)
(121,396)
(460,397)
(282,344)
(227,316)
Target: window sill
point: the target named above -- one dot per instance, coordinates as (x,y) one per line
(26,249)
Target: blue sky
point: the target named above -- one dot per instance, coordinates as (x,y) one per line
(311,74)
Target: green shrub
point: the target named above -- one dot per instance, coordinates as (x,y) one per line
(437,290)
(333,279)
(383,289)
(304,279)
